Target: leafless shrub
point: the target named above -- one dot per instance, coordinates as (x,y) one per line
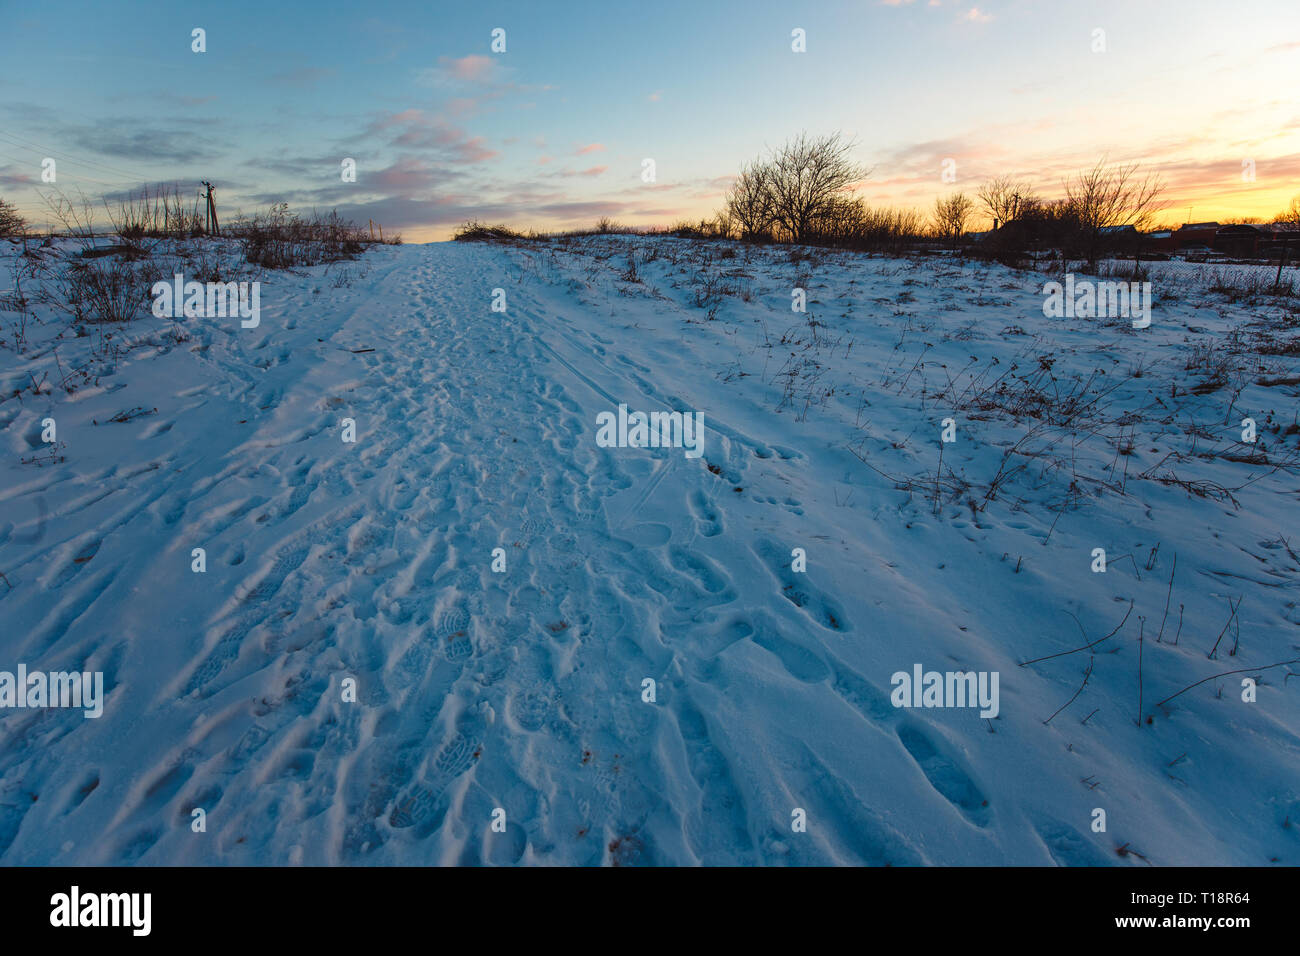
(891,230)
(106,289)
(719,227)
(158,212)
(1291,213)
(1239,285)
(77,218)
(475,231)
(279,239)
(1130,271)
(709,291)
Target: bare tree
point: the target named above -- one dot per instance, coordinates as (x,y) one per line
(1004,199)
(805,178)
(950,216)
(1104,197)
(11,223)
(749,201)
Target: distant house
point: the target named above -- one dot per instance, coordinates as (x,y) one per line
(1194,233)
(1258,239)
(1119,240)
(1194,237)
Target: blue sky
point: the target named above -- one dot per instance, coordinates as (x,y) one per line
(553,131)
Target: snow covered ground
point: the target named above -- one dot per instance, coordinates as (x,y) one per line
(524,691)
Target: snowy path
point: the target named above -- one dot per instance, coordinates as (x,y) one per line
(478,690)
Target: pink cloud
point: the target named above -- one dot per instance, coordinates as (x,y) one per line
(398,119)
(416,129)
(473,151)
(590,172)
(591,148)
(405,175)
(472,68)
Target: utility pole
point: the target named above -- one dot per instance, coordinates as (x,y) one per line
(214,228)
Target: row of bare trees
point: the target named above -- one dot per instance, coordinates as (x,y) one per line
(802,192)
(1096,201)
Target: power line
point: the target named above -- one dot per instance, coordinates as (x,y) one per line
(27,207)
(77,175)
(29,144)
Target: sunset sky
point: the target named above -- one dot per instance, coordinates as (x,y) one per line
(552,132)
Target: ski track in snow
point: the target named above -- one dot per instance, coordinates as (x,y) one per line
(519,690)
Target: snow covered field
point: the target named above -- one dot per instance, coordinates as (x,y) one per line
(524,690)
